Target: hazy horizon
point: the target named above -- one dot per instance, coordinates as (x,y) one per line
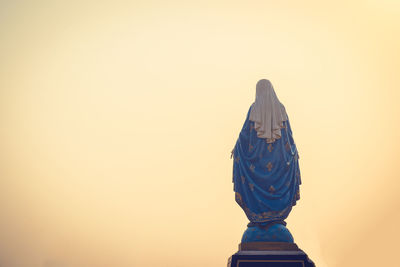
(118,119)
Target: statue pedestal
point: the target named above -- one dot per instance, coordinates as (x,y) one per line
(269,254)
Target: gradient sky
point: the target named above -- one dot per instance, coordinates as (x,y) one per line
(117,119)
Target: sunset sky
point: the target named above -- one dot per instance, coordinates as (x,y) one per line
(117,119)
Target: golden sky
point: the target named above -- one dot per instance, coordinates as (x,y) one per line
(117,119)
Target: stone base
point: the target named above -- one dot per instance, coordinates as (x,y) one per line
(267,246)
(269,254)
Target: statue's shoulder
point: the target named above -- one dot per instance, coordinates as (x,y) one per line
(248,112)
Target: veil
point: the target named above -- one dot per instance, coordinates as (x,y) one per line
(267,112)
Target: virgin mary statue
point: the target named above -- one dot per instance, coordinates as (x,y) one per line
(266,172)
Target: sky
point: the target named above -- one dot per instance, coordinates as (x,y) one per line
(117,119)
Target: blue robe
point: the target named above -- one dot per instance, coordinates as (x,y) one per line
(266,176)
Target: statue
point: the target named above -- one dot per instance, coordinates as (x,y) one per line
(266,172)
(266,177)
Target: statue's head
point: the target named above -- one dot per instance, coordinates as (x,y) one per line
(264,86)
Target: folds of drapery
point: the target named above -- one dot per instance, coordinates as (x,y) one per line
(266,175)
